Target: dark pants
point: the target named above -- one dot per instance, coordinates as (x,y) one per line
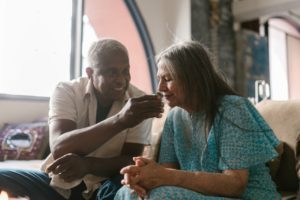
(109,188)
(35,185)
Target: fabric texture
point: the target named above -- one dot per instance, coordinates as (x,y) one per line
(284,118)
(109,188)
(24,141)
(20,183)
(239,138)
(75,100)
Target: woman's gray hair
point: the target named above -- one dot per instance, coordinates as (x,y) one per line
(191,66)
(104,48)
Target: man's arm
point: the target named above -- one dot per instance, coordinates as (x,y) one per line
(65,138)
(71,167)
(107,167)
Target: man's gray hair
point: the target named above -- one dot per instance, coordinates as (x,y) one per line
(104,48)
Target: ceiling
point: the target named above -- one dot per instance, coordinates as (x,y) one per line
(245,10)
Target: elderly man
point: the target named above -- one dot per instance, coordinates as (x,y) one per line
(97,124)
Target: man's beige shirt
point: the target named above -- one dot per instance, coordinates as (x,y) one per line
(76,101)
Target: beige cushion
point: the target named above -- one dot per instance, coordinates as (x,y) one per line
(157,128)
(284,118)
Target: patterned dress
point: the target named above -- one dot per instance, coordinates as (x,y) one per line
(238,139)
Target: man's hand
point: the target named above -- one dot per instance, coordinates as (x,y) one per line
(138,109)
(69,167)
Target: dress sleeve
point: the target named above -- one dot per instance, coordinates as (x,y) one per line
(167,152)
(245,139)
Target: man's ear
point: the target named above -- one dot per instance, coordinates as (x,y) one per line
(89,71)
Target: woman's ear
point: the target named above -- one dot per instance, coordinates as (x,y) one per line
(89,71)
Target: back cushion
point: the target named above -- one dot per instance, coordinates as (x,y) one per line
(25,141)
(284,118)
(152,151)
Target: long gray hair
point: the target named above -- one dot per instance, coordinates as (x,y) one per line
(190,65)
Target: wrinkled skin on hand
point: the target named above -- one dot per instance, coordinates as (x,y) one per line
(140,108)
(143,176)
(69,167)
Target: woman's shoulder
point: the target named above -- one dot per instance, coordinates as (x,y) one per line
(177,111)
(178,114)
(240,111)
(232,100)
(233,103)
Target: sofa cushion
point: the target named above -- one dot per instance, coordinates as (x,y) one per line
(152,150)
(284,118)
(25,141)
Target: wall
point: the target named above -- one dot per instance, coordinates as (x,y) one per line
(212,25)
(284,40)
(167,21)
(112,19)
(15,111)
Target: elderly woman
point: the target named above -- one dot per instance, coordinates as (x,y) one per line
(215,145)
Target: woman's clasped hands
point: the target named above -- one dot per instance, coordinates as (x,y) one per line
(145,175)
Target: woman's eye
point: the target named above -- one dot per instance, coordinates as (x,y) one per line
(167,79)
(164,78)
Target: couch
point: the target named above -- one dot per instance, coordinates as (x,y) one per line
(24,145)
(282,116)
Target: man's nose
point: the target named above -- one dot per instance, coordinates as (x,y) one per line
(120,77)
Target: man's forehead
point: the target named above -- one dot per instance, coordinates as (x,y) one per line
(113,58)
(114,62)
(113,65)
(106,57)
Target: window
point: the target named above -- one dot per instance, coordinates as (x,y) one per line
(35,45)
(284,50)
(121,20)
(45,42)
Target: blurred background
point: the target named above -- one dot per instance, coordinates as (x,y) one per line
(256,44)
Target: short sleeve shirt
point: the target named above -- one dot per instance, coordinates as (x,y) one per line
(75,100)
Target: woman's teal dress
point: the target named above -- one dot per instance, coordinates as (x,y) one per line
(239,138)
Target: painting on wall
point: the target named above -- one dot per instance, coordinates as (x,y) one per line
(252,61)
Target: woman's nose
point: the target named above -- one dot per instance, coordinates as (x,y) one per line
(160,86)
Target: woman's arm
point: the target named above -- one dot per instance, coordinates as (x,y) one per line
(229,183)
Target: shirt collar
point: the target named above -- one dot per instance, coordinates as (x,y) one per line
(89,89)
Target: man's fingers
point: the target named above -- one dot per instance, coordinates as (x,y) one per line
(147,97)
(143,103)
(149,104)
(56,163)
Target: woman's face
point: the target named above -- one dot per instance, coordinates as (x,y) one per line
(170,89)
